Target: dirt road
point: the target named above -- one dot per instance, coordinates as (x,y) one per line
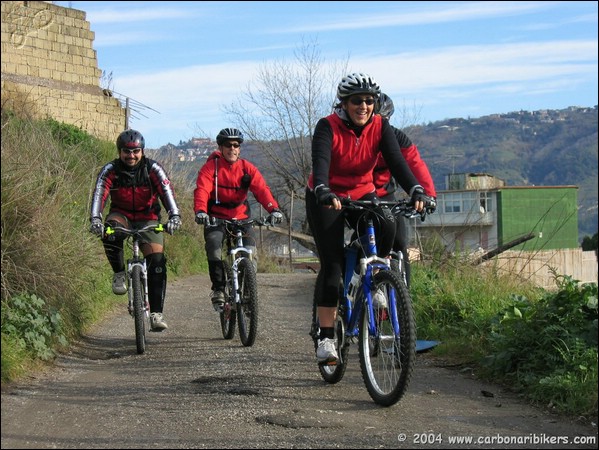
(192,389)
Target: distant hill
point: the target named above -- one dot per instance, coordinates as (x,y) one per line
(541,148)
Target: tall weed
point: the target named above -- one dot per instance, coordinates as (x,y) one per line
(47,252)
(50,262)
(548,347)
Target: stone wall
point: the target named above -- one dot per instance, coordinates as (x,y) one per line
(50,69)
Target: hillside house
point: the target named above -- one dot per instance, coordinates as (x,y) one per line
(478,212)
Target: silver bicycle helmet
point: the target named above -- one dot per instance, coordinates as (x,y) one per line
(229,134)
(357,83)
(385,106)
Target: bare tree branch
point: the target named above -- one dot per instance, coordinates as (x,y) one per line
(279,110)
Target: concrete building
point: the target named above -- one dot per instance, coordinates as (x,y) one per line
(478,212)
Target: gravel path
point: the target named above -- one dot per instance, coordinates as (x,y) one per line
(193,389)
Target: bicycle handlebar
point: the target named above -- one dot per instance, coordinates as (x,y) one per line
(397,207)
(215,221)
(132,231)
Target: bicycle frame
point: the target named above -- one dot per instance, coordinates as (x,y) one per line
(235,246)
(368,264)
(137,261)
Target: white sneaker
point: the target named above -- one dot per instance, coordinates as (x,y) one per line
(326,351)
(119,284)
(157,322)
(379,300)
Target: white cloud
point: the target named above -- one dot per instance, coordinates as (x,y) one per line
(191,98)
(425,13)
(136,15)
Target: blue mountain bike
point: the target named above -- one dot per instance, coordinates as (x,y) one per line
(376,309)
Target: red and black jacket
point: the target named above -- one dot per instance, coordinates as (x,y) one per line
(344,156)
(134,192)
(384,182)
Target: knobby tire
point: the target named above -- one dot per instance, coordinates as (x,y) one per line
(247,310)
(387,361)
(138,309)
(229,313)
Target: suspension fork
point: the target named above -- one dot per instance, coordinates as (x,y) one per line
(136,260)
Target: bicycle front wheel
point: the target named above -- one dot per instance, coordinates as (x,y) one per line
(386,358)
(228,314)
(139,313)
(247,309)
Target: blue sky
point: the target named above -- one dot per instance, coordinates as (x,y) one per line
(184,61)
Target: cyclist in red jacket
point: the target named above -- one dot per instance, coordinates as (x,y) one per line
(221,191)
(345,149)
(386,187)
(134,184)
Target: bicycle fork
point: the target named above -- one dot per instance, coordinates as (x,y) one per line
(144,279)
(235,270)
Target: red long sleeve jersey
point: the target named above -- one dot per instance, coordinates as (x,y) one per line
(382,175)
(221,193)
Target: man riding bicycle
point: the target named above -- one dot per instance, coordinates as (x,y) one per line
(134,184)
(221,191)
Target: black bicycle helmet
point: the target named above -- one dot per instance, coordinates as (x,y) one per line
(229,134)
(130,139)
(357,83)
(385,106)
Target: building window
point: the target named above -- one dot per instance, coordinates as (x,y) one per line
(452,205)
(466,202)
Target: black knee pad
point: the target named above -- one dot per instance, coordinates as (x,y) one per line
(156,263)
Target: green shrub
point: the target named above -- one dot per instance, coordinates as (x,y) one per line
(548,347)
(33,325)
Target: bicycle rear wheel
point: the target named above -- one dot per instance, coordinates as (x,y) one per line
(228,314)
(331,373)
(386,359)
(247,309)
(139,313)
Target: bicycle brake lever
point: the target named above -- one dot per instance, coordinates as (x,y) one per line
(411,214)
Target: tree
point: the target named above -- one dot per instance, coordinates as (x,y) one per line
(589,243)
(278,113)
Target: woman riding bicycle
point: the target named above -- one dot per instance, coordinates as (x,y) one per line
(134,184)
(345,149)
(221,191)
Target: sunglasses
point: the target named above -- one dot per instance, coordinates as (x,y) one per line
(135,151)
(358,101)
(231,145)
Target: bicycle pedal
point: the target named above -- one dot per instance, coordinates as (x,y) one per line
(328,363)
